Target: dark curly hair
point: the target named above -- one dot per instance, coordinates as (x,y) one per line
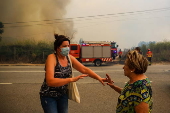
(59,40)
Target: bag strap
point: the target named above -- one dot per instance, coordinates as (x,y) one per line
(71,66)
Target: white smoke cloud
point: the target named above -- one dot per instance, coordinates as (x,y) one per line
(32,13)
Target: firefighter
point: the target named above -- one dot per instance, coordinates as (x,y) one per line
(149,56)
(120,54)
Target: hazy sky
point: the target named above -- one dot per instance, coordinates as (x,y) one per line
(126,22)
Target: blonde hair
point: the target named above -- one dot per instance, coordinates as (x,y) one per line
(136,61)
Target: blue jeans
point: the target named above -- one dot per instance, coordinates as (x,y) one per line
(55,104)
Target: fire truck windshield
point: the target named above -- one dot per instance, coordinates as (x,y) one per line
(113,45)
(73,48)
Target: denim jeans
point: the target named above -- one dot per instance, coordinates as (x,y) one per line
(55,104)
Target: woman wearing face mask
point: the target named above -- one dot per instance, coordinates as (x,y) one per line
(53,93)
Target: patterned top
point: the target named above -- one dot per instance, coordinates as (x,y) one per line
(60,72)
(133,94)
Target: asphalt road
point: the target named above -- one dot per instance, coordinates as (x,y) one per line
(19,89)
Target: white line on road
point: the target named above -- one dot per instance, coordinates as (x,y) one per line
(44,71)
(21,71)
(5,83)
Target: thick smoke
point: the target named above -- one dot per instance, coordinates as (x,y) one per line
(36,19)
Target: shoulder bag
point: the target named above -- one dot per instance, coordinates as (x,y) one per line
(73,93)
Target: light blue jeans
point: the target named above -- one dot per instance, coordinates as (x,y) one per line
(55,104)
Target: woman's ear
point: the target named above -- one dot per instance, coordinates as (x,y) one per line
(132,70)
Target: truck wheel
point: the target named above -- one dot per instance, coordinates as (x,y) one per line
(97,63)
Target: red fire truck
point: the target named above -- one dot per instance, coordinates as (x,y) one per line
(113,44)
(92,52)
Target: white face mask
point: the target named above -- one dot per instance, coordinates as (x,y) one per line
(65,51)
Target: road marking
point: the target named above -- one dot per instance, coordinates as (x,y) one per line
(167,70)
(44,71)
(25,71)
(21,71)
(5,83)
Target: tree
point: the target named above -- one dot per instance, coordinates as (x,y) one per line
(1,29)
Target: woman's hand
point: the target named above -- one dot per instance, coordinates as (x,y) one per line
(110,83)
(109,80)
(74,79)
(102,80)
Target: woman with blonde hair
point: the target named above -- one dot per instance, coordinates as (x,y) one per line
(136,96)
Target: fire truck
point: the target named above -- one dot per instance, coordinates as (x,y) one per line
(113,44)
(96,53)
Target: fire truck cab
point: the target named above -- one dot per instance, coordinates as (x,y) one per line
(75,51)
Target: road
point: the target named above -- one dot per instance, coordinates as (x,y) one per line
(19,89)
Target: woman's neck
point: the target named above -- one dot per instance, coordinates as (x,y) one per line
(136,77)
(62,60)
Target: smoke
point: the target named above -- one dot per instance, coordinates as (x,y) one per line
(37,19)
